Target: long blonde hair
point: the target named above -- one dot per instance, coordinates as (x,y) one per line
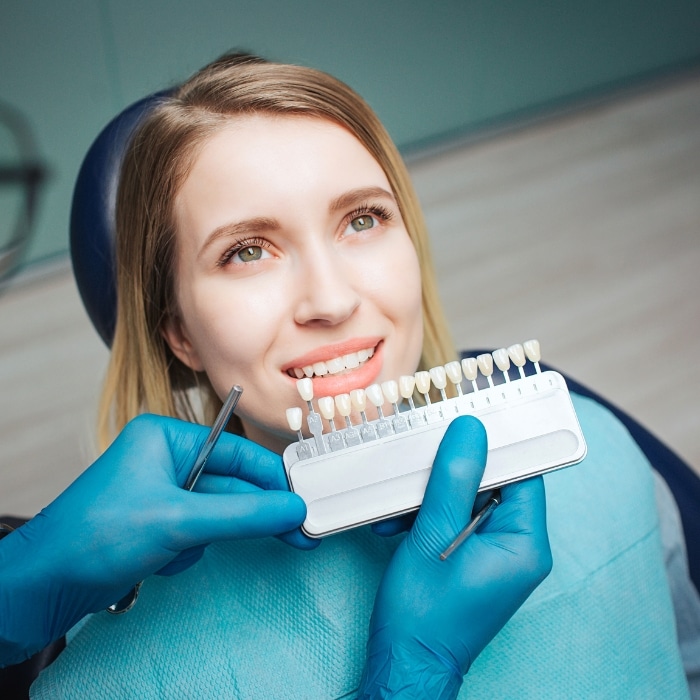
(143,374)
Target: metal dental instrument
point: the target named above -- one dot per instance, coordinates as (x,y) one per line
(473,524)
(129,600)
(219,424)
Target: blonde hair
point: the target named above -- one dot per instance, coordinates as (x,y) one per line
(143,374)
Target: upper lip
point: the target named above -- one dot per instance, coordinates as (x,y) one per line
(328,352)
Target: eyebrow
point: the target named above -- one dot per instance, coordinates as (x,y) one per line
(353,197)
(246,227)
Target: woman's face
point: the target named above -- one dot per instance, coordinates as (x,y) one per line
(292,254)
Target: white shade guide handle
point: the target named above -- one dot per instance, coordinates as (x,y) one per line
(390,389)
(407,383)
(294,418)
(305,387)
(326,407)
(343,404)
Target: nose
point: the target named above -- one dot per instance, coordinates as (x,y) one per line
(327,290)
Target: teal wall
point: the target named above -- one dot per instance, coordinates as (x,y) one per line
(431,70)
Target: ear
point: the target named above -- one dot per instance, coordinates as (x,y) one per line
(177,338)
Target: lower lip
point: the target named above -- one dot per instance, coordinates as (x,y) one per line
(360,378)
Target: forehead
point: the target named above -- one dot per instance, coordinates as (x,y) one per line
(254,156)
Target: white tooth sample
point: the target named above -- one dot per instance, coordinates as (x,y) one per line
(439,377)
(343,404)
(485,363)
(390,389)
(326,407)
(308,371)
(500,357)
(351,360)
(294,417)
(320,369)
(358,399)
(335,366)
(470,368)
(454,372)
(407,382)
(305,387)
(363,355)
(517,354)
(423,382)
(375,395)
(532,350)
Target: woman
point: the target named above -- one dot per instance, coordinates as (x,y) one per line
(267,224)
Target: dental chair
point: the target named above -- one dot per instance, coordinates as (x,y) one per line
(92,228)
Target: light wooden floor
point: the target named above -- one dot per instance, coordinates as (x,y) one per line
(582,231)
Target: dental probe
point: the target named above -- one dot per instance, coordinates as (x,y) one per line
(219,424)
(473,524)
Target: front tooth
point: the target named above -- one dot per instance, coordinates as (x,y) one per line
(326,407)
(485,363)
(351,360)
(517,354)
(320,369)
(294,418)
(298,373)
(532,350)
(406,384)
(363,355)
(305,387)
(335,366)
(470,367)
(439,376)
(308,371)
(390,389)
(501,359)
(423,382)
(375,395)
(358,399)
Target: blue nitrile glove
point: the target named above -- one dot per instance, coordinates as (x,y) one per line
(431,617)
(126,517)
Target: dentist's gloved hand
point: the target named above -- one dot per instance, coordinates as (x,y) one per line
(431,617)
(126,517)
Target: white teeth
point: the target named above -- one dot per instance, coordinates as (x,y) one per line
(470,367)
(406,384)
(326,407)
(439,376)
(532,350)
(501,359)
(423,382)
(485,363)
(517,354)
(305,387)
(454,372)
(391,391)
(351,361)
(375,395)
(335,365)
(358,399)
(294,417)
(343,404)
(320,369)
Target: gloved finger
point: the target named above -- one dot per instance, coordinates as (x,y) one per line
(182,561)
(451,490)
(394,526)
(213,483)
(296,538)
(202,518)
(522,510)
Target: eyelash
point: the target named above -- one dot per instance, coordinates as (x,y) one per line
(240,245)
(377,210)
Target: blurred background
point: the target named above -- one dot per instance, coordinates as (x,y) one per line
(555,147)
